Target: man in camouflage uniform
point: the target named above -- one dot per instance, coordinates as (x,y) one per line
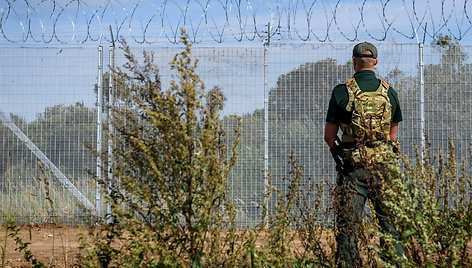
(357,180)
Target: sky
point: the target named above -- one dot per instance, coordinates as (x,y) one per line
(59,65)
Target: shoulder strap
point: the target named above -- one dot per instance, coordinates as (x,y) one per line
(384,86)
(352,90)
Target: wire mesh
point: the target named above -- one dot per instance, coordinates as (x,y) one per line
(57,115)
(49,93)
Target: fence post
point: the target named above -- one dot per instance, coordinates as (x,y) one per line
(422,119)
(99,130)
(111,103)
(266,126)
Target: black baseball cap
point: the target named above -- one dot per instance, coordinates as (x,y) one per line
(358,50)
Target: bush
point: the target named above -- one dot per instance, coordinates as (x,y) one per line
(168,201)
(432,208)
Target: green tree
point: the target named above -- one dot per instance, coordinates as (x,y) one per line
(297,110)
(296,95)
(63,134)
(448,96)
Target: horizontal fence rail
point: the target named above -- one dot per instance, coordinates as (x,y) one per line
(280,91)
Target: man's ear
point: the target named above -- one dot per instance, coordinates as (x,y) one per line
(376,61)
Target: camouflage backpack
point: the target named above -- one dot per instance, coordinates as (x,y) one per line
(371,113)
(371,120)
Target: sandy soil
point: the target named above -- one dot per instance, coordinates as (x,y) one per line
(54,245)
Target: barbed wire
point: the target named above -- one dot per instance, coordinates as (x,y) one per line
(151,21)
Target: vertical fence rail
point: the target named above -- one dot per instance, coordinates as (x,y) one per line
(111,128)
(266,126)
(99,167)
(421,78)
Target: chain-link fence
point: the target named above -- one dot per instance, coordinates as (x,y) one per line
(48,104)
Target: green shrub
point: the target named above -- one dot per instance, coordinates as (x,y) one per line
(432,208)
(169,203)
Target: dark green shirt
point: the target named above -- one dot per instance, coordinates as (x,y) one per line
(368,82)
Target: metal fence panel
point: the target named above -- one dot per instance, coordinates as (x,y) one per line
(49,93)
(48,116)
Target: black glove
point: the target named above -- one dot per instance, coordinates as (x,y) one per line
(339,157)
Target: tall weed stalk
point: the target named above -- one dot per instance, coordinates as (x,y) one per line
(298,233)
(169,203)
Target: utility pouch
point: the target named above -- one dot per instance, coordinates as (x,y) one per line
(375,153)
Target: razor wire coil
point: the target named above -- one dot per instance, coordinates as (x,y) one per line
(151,22)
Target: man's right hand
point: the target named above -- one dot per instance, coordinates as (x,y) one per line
(338,156)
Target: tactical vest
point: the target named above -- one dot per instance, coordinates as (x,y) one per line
(371,113)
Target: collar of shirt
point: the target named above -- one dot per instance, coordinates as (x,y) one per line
(365,74)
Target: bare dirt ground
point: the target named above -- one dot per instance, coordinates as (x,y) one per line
(54,245)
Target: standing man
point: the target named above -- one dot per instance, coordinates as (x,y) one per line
(367,111)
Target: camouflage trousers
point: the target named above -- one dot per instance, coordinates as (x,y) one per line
(353,189)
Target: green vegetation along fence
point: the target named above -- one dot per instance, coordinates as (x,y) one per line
(50,125)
